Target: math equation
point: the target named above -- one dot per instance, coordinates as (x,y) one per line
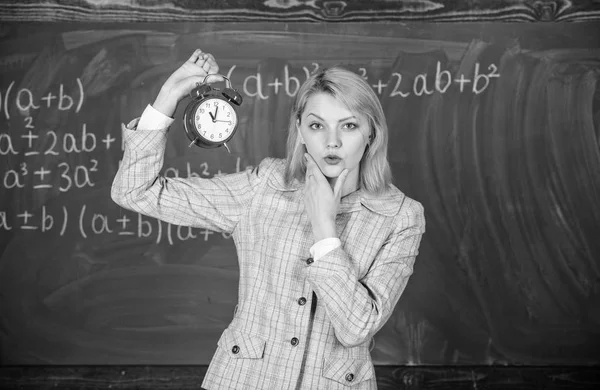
(396,85)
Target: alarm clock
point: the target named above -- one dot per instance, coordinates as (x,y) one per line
(210,119)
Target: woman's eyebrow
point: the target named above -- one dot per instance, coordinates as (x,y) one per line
(341,120)
(315,115)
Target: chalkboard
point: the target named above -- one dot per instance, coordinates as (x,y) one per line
(493,127)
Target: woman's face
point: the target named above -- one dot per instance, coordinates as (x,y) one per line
(335,137)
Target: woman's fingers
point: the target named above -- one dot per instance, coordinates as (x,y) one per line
(311,165)
(312,169)
(213,78)
(197,54)
(205,61)
(210,65)
(339,184)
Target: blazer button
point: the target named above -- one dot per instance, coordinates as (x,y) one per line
(350,377)
(302,301)
(235,349)
(294,341)
(309,261)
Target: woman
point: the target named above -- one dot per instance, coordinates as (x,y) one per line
(325,242)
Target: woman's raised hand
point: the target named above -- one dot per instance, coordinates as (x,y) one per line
(320,200)
(184,79)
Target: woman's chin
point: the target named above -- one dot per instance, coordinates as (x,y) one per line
(332,171)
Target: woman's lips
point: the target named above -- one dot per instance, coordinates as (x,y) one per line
(332,160)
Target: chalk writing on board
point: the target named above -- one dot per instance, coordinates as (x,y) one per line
(25,100)
(78,176)
(54,142)
(91,223)
(397,85)
(82,176)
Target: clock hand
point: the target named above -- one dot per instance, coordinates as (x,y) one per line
(214,118)
(211,116)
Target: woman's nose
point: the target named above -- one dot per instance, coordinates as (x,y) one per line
(333,139)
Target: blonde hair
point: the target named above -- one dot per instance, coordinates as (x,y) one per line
(351,90)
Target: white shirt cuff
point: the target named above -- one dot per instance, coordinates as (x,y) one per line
(323,247)
(153,120)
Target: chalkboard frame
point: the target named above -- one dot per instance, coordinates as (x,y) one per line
(330,11)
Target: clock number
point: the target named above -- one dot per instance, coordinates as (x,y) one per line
(216,104)
(201,111)
(212,136)
(220,135)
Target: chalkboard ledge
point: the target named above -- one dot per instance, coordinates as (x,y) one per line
(388,377)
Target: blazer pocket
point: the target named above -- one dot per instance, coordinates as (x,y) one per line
(240,345)
(348,372)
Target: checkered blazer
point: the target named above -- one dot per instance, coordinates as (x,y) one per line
(301,323)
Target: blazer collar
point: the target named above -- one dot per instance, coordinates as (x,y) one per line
(387,204)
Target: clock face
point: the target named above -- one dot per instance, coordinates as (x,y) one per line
(215,120)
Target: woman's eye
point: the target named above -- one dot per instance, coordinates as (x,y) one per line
(315,126)
(350,126)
